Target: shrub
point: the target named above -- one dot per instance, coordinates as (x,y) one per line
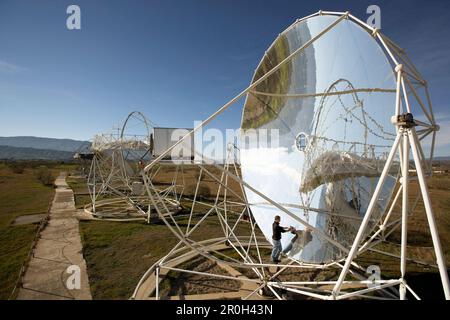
(439,183)
(17,167)
(203,190)
(44,175)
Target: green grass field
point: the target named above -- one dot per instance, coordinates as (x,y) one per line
(80,190)
(118,254)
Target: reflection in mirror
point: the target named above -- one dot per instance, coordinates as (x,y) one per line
(332,102)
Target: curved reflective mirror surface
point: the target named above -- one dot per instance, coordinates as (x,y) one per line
(326,115)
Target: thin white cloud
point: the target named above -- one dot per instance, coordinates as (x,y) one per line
(442,144)
(441,117)
(443,135)
(9,68)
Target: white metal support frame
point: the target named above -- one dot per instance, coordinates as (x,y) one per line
(115,168)
(407,141)
(408,134)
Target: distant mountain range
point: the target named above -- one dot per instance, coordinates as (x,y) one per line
(13,153)
(37,148)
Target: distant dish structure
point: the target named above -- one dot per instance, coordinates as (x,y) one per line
(115,183)
(83,156)
(340,104)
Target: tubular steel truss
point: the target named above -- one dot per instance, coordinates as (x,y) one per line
(115,184)
(241,246)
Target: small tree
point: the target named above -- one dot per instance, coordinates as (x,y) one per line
(17,167)
(44,175)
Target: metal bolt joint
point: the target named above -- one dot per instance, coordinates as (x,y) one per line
(405,120)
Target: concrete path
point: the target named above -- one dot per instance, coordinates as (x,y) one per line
(59,247)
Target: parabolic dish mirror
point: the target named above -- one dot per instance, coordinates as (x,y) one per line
(326,114)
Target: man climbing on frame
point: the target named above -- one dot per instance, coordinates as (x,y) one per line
(276,239)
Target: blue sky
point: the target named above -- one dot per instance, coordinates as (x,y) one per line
(176,61)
